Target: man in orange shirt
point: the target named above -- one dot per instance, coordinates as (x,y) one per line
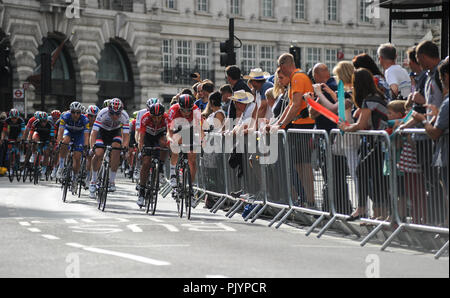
(296,116)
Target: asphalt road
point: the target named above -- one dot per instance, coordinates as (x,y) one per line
(40,236)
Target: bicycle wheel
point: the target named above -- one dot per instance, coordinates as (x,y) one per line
(36,169)
(82,175)
(152,192)
(25,171)
(67,178)
(179,193)
(17,168)
(187,191)
(11,166)
(103,189)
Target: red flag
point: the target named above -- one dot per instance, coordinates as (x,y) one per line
(322,110)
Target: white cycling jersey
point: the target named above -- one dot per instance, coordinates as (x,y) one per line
(139,116)
(105,121)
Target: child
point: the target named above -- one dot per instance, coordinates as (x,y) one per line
(410,181)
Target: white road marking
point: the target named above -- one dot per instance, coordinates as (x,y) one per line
(70,221)
(34,230)
(120,254)
(216,276)
(25,223)
(50,237)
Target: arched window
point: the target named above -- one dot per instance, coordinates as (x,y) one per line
(114,74)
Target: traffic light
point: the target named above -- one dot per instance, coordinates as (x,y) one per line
(296,52)
(46,74)
(227,54)
(4,59)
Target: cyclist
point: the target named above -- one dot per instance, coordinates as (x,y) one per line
(41,131)
(187,110)
(91,113)
(152,134)
(139,116)
(55,120)
(13,128)
(111,128)
(73,127)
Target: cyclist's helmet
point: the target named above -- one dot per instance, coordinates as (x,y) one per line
(43,116)
(76,106)
(83,109)
(36,114)
(14,113)
(92,110)
(135,113)
(157,109)
(151,101)
(115,106)
(186,102)
(55,114)
(106,103)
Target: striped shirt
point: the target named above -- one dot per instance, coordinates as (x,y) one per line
(105,121)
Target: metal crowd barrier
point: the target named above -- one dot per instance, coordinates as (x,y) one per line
(421,192)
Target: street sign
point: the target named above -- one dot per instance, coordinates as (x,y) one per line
(19,94)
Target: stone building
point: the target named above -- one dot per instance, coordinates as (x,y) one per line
(139,49)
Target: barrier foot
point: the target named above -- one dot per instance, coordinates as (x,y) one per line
(284,218)
(215,207)
(371,235)
(236,209)
(441,251)
(315,224)
(326,227)
(276,217)
(259,213)
(252,212)
(220,205)
(390,239)
(351,228)
(232,208)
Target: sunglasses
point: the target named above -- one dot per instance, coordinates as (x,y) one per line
(185,110)
(115,113)
(75,113)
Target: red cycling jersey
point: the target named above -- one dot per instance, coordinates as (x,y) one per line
(147,125)
(175,113)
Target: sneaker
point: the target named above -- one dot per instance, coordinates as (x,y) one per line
(173,181)
(53,175)
(140,201)
(59,173)
(92,190)
(112,187)
(32,158)
(162,178)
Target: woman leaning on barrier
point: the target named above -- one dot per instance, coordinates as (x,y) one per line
(439,131)
(372,116)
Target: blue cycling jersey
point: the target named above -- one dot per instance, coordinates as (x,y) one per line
(74,127)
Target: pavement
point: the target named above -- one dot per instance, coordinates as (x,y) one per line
(41,236)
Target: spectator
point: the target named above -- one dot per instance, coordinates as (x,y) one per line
(418,82)
(373,116)
(280,93)
(409,178)
(204,89)
(245,104)
(215,102)
(296,115)
(439,131)
(257,79)
(427,54)
(365,61)
(195,88)
(226,93)
(233,77)
(396,77)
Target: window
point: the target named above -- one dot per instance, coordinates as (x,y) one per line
(401,57)
(331,58)
(398,22)
(432,22)
(235,7)
(363,16)
(183,54)
(299,10)
(248,58)
(313,56)
(267,59)
(167,50)
(202,56)
(333,10)
(121,5)
(360,51)
(267,8)
(171,4)
(202,5)
(112,65)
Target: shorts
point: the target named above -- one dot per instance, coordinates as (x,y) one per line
(153,141)
(76,138)
(107,137)
(303,154)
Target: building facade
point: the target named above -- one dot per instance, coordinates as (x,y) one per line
(139,49)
